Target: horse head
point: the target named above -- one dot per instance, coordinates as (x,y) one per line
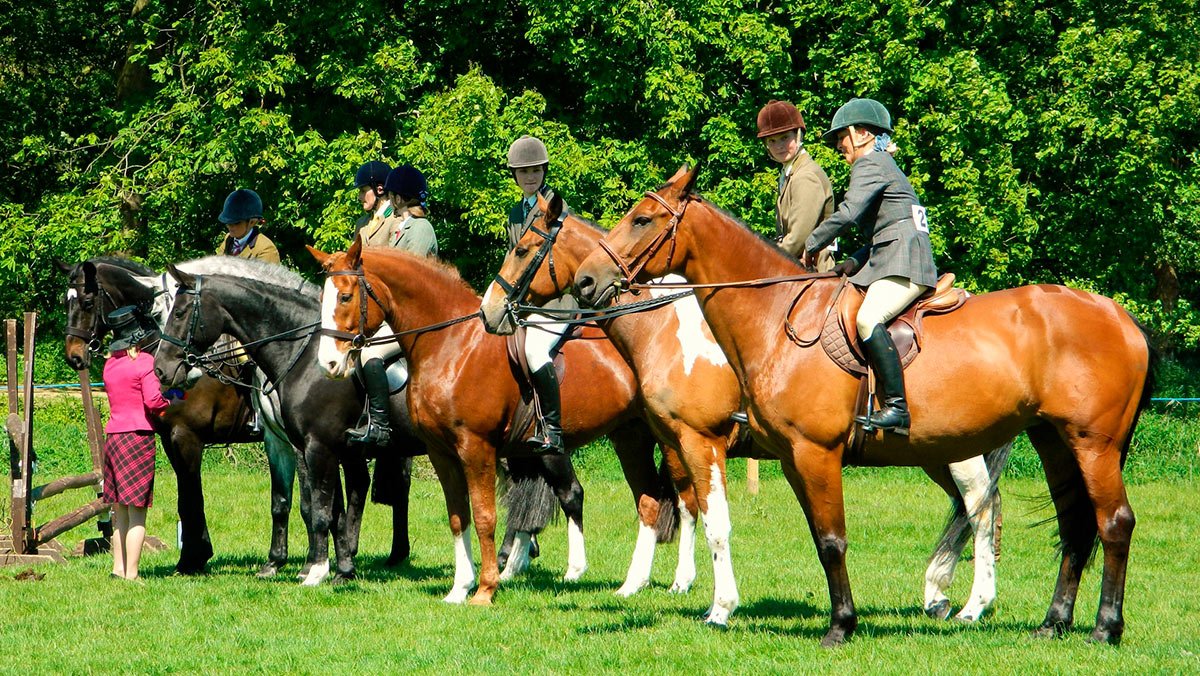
(353,307)
(85,316)
(192,327)
(527,274)
(642,246)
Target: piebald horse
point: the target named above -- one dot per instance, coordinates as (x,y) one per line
(463,395)
(690,391)
(1071,369)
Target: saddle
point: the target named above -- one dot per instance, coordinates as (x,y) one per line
(529,410)
(839,333)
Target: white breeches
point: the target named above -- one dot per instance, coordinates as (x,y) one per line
(886,299)
(541,341)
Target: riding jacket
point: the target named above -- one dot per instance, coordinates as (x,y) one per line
(133,391)
(805,198)
(258,246)
(882,202)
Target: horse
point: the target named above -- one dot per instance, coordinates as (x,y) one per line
(690,392)
(1073,370)
(273,312)
(464,396)
(213,413)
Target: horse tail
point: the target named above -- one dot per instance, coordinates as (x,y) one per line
(667,525)
(1147,386)
(528,496)
(958,523)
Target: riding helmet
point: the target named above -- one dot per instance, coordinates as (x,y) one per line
(527,151)
(241,205)
(406,181)
(777,117)
(859,111)
(126,327)
(371,174)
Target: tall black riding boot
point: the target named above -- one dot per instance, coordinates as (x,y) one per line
(377,428)
(549,438)
(892,415)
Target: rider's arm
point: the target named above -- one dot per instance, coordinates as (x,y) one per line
(867,183)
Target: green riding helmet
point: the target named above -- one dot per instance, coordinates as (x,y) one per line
(527,151)
(859,111)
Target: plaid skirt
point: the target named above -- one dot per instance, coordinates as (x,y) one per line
(129,468)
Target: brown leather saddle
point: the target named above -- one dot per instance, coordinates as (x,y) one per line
(839,333)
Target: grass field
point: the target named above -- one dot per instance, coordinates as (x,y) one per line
(390,620)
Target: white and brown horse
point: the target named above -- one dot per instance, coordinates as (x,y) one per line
(1071,369)
(690,392)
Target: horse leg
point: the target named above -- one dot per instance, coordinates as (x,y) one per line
(815,475)
(306,512)
(531,503)
(635,451)
(403,486)
(185,451)
(480,470)
(968,485)
(1076,526)
(454,487)
(559,473)
(345,544)
(718,528)
(1100,463)
(281,458)
(325,492)
(688,506)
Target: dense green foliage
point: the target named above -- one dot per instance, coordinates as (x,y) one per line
(1053,140)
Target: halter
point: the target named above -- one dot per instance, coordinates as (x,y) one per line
(629,273)
(515,293)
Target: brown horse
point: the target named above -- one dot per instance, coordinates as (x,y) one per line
(1071,369)
(464,398)
(690,392)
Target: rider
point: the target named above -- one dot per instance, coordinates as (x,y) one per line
(897,266)
(242,216)
(805,196)
(528,163)
(406,227)
(369,180)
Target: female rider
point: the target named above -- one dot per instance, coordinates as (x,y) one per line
(897,266)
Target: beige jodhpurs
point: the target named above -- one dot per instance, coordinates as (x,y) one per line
(886,299)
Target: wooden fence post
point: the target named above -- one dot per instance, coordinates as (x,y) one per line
(752,476)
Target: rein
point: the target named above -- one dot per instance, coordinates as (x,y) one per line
(515,293)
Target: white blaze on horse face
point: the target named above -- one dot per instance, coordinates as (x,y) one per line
(491,297)
(331,358)
(72,294)
(693,342)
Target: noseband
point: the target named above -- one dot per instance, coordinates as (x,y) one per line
(516,293)
(630,272)
(190,356)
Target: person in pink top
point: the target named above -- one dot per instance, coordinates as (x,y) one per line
(134,394)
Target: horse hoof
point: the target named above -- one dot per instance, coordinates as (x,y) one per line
(268,570)
(678,587)
(1105,636)
(939,610)
(630,588)
(478,600)
(396,559)
(833,639)
(343,578)
(1051,630)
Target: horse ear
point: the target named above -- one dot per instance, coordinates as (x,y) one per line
(354,253)
(185,280)
(63,267)
(686,179)
(552,210)
(89,277)
(316,253)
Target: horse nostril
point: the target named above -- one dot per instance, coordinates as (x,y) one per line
(585,285)
(159,372)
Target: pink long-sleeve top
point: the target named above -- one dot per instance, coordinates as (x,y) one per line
(133,392)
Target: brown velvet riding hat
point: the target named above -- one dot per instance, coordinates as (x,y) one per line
(777,117)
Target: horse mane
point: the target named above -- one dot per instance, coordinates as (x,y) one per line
(127,264)
(589,222)
(271,274)
(433,266)
(771,244)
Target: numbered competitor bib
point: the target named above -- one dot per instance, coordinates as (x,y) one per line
(919,218)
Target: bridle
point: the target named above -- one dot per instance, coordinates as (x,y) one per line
(630,272)
(99,325)
(517,292)
(205,360)
(365,290)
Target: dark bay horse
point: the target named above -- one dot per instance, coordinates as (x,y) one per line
(690,391)
(213,412)
(464,396)
(1071,369)
(274,313)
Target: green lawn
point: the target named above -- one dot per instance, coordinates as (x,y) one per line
(76,619)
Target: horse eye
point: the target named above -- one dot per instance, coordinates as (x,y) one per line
(345,298)
(521,252)
(641,221)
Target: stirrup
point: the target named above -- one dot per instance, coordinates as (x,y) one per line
(371,434)
(870,426)
(544,441)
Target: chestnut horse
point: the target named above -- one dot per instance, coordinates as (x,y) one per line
(463,395)
(1071,369)
(690,392)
